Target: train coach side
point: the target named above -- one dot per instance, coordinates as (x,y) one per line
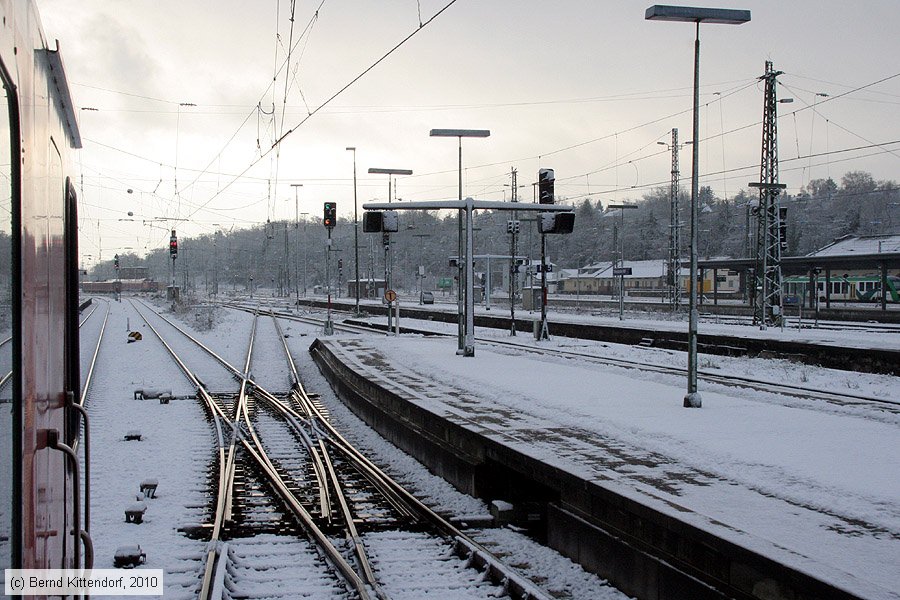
(39,489)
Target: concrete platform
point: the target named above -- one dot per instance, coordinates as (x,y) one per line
(869,353)
(654,524)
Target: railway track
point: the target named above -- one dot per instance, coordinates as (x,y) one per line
(6,351)
(284,471)
(734,381)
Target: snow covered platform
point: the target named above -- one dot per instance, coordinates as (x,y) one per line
(753,496)
(875,351)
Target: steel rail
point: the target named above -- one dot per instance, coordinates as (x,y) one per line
(796,391)
(352,532)
(407,503)
(302,401)
(517,586)
(728,380)
(787,389)
(218,416)
(8,376)
(240,409)
(318,467)
(399,497)
(81,408)
(276,481)
(90,374)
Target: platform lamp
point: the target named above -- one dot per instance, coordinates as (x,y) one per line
(463,305)
(355,229)
(689,14)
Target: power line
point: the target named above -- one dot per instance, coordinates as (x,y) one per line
(326,102)
(658,120)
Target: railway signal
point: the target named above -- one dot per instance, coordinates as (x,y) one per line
(563,222)
(116,262)
(373,221)
(512,226)
(173,245)
(545,186)
(330,214)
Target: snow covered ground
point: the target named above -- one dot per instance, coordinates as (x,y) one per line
(885,337)
(813,484)
(177,448)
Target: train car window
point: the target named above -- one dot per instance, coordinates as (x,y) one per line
(9,454)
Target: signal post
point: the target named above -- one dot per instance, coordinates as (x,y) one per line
(329,219)
(173,253)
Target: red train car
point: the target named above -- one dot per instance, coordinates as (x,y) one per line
(40,497)
(124,285)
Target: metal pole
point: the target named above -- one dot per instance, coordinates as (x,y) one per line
(297,244)
(513,268)
(461,342)
(470,278)
(487,285)
(329,326)
(305,258)
(355,233)
(692,399)
(622,264)
(286,292)
(388,260)
(544,333)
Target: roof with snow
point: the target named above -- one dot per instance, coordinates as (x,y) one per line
(639,269)
(851,245)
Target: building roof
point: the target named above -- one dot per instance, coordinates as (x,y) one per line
(852,245)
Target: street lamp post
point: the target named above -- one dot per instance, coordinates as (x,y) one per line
(355,229)
(463,306)
(695,15)
(388,255)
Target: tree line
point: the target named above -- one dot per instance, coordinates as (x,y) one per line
(282,256)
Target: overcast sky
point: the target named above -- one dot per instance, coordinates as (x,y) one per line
(585,87)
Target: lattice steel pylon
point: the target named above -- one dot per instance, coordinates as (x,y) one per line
(674,274)
(768,307)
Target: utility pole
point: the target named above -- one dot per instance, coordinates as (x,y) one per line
(674,231)
(769,308)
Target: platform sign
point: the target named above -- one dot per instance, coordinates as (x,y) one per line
(620,271)
(390,295)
